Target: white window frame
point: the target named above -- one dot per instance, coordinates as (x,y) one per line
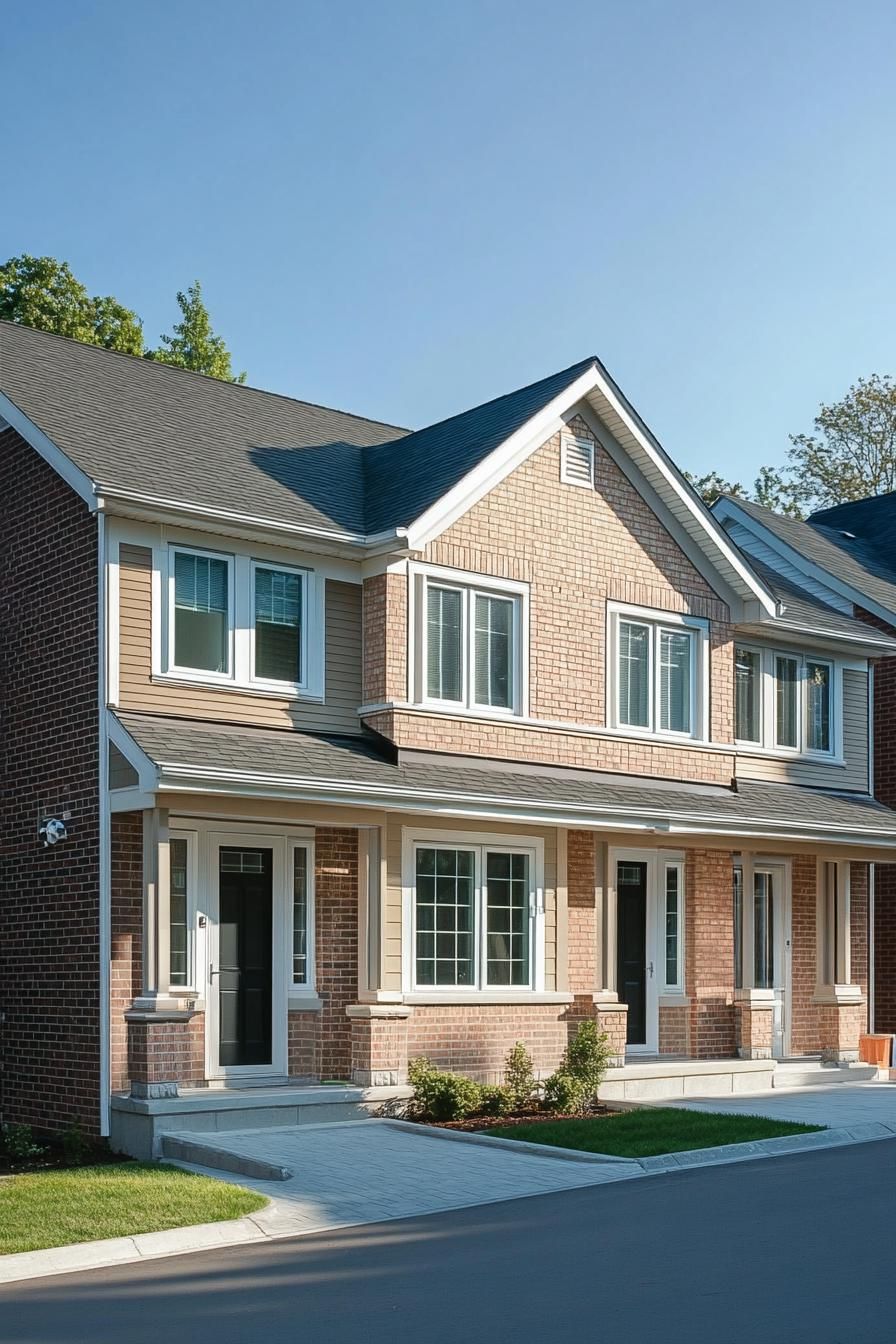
(304,577)
(470,586)
(568,441)
(241,570)
(481,844)
(195,954)
(307,987)
(658,621)
(767,742)
(669,986)
(179,670)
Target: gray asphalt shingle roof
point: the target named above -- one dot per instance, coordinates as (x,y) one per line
(271,754)
(136,425)
(806,612)
(853,560)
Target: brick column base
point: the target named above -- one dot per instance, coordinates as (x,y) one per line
(612,1018)
(162,1052)
(754,1027)
(839,1027)
(379,1043)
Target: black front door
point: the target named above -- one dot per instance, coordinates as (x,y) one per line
(631,945)
(245,957)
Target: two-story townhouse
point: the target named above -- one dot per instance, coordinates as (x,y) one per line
(362,744)
(846,555)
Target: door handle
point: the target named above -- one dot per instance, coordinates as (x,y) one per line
(650,969)
(213,971)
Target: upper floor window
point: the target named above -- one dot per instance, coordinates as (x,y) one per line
(784,701)
(234,620)
(469,649)
(656,669)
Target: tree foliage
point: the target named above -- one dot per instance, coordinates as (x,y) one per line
(192,344)
(852,453)
(770,488)
(42,292)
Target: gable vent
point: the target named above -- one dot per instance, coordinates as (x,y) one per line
(577,461)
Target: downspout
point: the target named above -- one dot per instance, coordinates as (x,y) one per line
(105,833)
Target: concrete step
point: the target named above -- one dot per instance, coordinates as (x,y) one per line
(816,1074)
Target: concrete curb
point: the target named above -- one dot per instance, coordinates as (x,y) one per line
(186,1149)
(249,1229)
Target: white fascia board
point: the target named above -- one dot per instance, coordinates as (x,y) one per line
(727,508)
(818,636)
(197,779)
(79,481)
(147,771)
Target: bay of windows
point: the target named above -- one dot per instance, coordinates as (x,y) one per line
(247,622)
(783,701)
(471,646)
(474,909)
(657,673)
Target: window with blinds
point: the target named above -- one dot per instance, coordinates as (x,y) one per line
(471,646)
(201,612)
(785,701)
(655,669)
(279,601)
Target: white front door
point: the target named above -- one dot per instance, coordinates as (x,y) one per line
(771,920)
(246,1017)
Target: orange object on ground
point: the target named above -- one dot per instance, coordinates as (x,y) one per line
(876,1049)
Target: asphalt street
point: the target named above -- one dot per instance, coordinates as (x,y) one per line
(787,1250)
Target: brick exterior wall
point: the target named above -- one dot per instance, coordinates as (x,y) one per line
(127,935)
(514,533)
(709,953)
(581,935)
(49,898)
(475,1038)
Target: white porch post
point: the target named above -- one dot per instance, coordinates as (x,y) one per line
(612,1016)
(156,990)
(747,925)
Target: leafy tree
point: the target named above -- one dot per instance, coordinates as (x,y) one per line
(42,292)
(852,453)
(193,344)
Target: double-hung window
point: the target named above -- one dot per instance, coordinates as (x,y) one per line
(470,643)
(244,622)
(475,911)
(784,701)
(656,672)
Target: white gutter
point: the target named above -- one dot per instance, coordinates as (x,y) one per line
(105,840)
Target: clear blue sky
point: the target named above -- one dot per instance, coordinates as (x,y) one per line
(406,208)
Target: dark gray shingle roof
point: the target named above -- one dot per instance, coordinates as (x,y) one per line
(852,560)
(804,611)
(133,424)
(873,519)
(271,754)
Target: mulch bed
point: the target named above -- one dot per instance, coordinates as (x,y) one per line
(475,1123)
(53,1158)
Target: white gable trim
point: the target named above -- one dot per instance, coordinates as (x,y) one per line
(595,388)
(147,772)
(79,481)
(727,508)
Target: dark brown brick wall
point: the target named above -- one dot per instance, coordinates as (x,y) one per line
(49,898)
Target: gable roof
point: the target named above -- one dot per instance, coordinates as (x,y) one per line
(849,562)
(802,611)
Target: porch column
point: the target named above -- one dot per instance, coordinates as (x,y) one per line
(379,1021)
(753,1007)
(159,1045)
(841,1004)
(611,1014)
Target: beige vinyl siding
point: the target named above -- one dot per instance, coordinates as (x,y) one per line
(394,892)
(852,775)
(138,691)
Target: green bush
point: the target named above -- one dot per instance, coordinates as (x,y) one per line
(587,1057)
(497,1100)
(439,1095)
(75,1144)
(18,1143)
(519,1077)
(565,1093)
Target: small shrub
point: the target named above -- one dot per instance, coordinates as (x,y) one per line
(75,1144)
(440,1095)
(587,1057)
(565,1093)
(497,1100)
(519,1077)
(18,1143)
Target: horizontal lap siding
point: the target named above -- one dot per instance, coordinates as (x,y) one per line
(339,713)
(852,775)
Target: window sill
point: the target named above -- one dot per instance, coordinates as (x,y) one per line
(787,754)
(487,996)
(237,687)
(672,998)
(304,1003)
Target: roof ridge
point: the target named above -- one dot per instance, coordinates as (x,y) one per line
(193,373)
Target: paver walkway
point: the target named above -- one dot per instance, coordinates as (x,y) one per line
(839,1105)
(367,1170)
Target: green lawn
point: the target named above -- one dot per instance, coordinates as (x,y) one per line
(57,1208)
(647,1133)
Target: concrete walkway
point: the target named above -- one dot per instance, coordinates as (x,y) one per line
(839,1105)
